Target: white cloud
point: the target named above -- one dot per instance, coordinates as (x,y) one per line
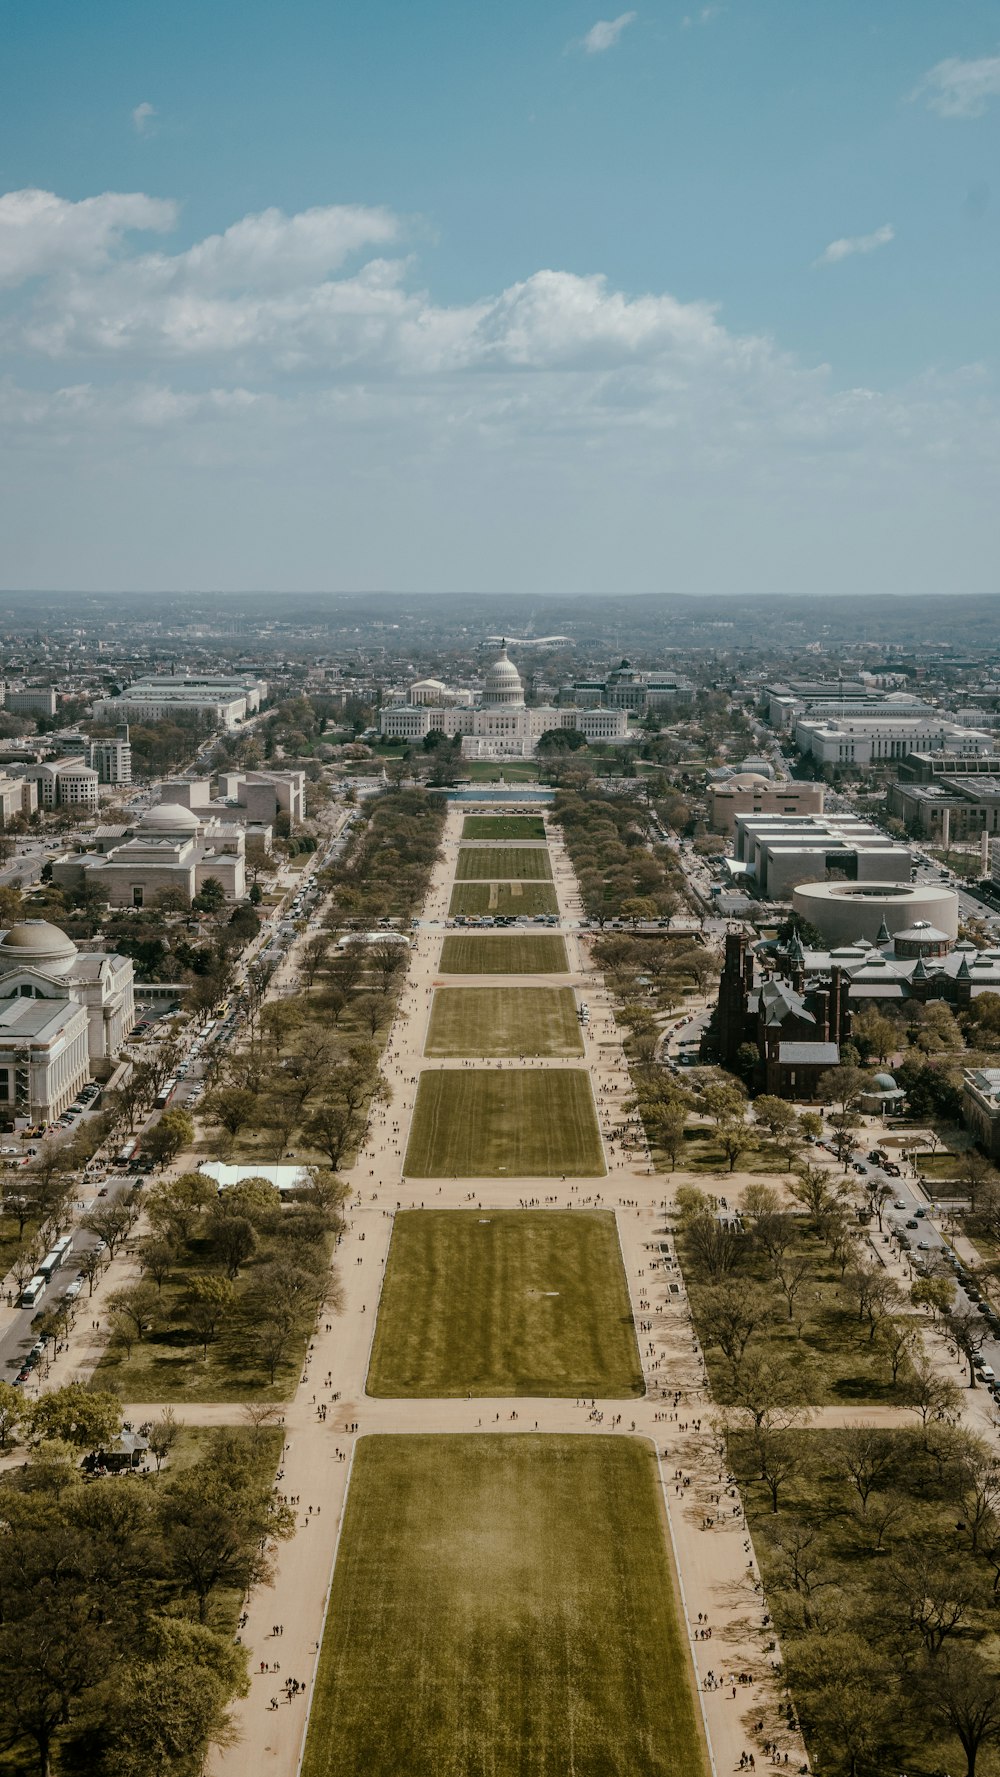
(238,398)
(704,16)
(856,243)
(142,118)
(959,88)
(41,233)
(605,34)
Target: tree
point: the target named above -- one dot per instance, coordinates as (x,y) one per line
(235,1107)
(776,1114)
(934,1397)
(157,1258)
(963,1694)
(91,1262)
(865,1455)
(874,1292)
(162,1715)
(11,1412)
(211,897)
(936,1293)
(845,1086)
(778,1458)
(175,1206)
(875,1034)
(255,1199)
(935,1597)
(137,1305)
(234,1239)
(51,1654)
(733,1312)
(715,1245)
(208,1305)
(791,1272)
(162,1435)
(802,1567)
(668,1131)
(113,1222)
(734,1138)
(844,1125)
(334,1130)
(218,1519)
(812,1188)
(845,1694)
(312,956)
(168,1137)
(898,1339)
(88,1419)
(968,1333)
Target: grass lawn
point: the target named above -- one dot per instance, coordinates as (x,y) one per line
(503,861)
(516,953)
(519,1302)
(492,1122)
(471,898)
(504,1607)
(504,1021)
(503,826)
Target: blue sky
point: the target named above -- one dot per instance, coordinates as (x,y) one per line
(458,296)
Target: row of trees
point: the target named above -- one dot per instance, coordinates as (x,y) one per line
(622,873)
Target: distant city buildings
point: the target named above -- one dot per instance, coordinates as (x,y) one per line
(40,700)
(948,798)
(169,849)
(884,734)
(778,851)
(257,797)
(749,792)
(112,758)
(61,783)
(225,702)
(628,688)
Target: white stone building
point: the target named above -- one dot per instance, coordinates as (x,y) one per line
(226,702)
(499,725)
(170,849)
(60,1010)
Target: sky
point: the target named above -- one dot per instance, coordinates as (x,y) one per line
(439,295)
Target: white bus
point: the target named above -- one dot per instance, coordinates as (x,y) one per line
(33,1290)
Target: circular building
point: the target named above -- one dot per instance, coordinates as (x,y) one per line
(169,819)
(846,911)
(502,687)
(35,944)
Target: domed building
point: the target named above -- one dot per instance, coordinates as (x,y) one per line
(60,1010)
(497,724)
(502,686)
(170,850)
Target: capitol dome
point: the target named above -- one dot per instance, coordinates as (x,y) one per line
(502,684)
(168,817)
(35,944)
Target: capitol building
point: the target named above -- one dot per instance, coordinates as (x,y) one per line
(496,723)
